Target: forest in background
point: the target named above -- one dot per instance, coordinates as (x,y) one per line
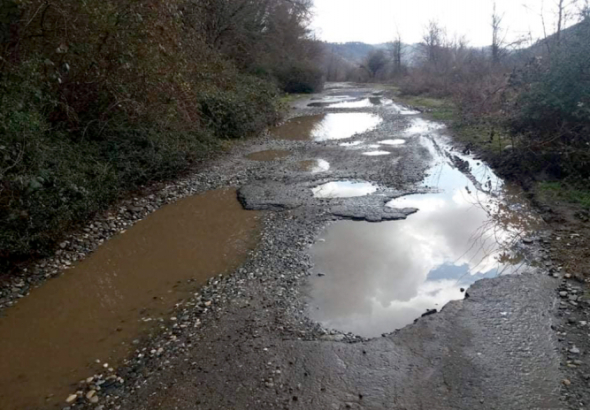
(524,105)
(100,97)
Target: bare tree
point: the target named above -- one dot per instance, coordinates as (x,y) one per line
(433,42)
(497,36)
(397,51)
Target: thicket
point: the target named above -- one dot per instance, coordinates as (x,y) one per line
(533,103)
(99,97)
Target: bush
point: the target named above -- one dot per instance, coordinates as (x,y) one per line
(300,78)
(550,107)
(98,98)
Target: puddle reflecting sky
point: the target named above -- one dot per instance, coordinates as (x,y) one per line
(343,189)
(326,127)
(376,153)
(363,103)
(393,142)
(380,277)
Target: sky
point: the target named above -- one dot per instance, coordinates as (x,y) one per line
(376,21)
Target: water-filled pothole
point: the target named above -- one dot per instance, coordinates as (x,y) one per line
(361,103)
(376,153)
(393,142)
(268,155)
(376,278)
(95,310)
(326,127)
(315,166)
(344,189)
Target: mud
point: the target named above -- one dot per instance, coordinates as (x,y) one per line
(54,338)
(268,155)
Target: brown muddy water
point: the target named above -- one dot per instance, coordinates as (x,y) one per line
(374,278)
(53,338)
(269,155)
(326,127)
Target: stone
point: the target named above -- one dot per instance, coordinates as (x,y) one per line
(71,398)
(574,350)
(566,382)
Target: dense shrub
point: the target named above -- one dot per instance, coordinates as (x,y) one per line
(300,78)
(550,106)
(100,97)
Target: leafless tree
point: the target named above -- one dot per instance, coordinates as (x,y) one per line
(397,51)
(497,36)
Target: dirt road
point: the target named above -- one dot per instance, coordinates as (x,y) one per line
(392,271)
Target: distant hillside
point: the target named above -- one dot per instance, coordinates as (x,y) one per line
(356,52)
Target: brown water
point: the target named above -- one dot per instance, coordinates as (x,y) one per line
(326,127)
(52,338)
(269,155)
(381,276)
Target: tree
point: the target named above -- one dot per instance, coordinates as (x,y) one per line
(397,51)
(433,43)
(376,60)
(497,38)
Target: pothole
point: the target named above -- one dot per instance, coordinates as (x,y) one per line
(99,307)
(393,142)
(268,155)
(344,189)
(326,127)
(373,278)
(376,153)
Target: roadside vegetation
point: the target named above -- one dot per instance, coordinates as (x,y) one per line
(524,105)
(98,98)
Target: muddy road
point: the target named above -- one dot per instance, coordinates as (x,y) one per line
(351,258)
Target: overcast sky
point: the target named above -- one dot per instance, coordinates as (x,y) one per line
(375,21)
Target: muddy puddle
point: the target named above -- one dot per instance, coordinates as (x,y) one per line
(315,166)
(269,155)
(52,339)
(333,126)
(344,189)
(374,278)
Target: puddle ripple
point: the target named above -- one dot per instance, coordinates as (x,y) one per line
(52,338)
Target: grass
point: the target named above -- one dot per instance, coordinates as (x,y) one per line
(562,191)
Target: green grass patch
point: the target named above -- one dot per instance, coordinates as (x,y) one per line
(562,191)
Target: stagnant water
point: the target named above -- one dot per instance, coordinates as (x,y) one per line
(268,155)
(326,127)
(344,189)
(375,278)
(53,338)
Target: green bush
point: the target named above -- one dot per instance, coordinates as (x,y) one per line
(250,106)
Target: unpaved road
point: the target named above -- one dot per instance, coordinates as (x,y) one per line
(246,341)
(493,350)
